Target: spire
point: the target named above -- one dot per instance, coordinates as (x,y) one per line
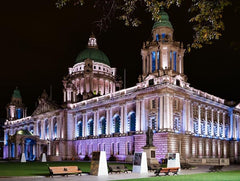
(92,42)
(16,93)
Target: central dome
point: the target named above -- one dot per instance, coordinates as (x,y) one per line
(164,20)
(93,53)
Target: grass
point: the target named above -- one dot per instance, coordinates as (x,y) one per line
(39,168)
(215,176)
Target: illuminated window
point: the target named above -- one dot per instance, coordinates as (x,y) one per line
(153,61)
(90,127)
(195,126)
(158,59)
(19,113)
(132,121)
(163,35)
(102,125)
(116,123)
(170,59)
(80,133)
(157,37)
(202,127)
(209,128)
(175,61)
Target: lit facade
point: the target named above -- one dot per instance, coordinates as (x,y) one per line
(98,116)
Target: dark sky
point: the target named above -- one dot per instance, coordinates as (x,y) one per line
(39,42)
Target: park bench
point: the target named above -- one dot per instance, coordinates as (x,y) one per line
(185,166)
(153,167)
(64,170)
(216,168)
(166,171)
(117,168)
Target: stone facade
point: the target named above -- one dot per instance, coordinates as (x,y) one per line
(185,120)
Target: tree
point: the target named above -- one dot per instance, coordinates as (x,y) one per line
(206,15)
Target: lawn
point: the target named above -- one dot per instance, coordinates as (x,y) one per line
(216,176)
(39,168)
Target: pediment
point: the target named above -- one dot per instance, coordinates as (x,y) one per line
(44,107)
(149,77)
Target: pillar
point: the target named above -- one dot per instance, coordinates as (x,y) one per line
(122,119)
(199,119)
(143,117)
(138,113)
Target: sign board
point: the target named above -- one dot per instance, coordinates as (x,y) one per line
(173,160)
(99,164)
(140,163)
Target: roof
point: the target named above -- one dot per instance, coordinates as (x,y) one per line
(93,54)
(16,93)
(24,132)
(164,20)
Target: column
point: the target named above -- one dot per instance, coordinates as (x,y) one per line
(122,119)
(110,122)
(138,113)
(158,114)
(143,63)
(206,118)
(166,111)
(125,130)
(199,119)
(171,112)
(161,109)
(95,124)
(43,129)
(143,117)
(50,122)
(84,124)
(218,124)
(189,125)
(156,62)
(223,125)
(212,127)
(107,121)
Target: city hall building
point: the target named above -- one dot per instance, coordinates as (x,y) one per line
(98,115)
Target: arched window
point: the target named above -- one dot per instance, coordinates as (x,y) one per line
(55,130)
(116,123)
(79,126)
(209,128)
(158,59)
(195,126)
(175,61)
(177,124)
(102,125)
(153,61)
(19,113)
(157,37)
(132,121)
(90,127)
(46,129)
(39,129)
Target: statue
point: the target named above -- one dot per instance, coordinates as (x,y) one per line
(149,139)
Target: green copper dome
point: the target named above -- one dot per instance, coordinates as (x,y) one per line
(24,132)
(164,20)
(16,93)
(93,54)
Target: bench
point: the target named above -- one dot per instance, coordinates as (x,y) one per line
(64,170)
(216,168)
(166,171)
(153,167)
(185,166)
(117,168)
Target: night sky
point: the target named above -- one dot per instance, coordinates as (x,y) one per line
(39,42)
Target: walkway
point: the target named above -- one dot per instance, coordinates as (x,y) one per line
(199,169)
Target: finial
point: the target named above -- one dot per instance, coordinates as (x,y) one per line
(92,41)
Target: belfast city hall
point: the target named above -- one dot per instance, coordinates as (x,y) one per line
(98,115)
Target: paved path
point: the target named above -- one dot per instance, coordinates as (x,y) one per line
(122,176)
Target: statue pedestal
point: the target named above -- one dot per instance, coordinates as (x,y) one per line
(151,156)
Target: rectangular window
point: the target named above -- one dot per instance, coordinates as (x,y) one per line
(163,35)
(157,37)
(153,61)
(170,66)
(158,59)
(175,61)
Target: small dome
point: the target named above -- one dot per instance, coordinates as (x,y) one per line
(93,54)
(16,93)
(164,20)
